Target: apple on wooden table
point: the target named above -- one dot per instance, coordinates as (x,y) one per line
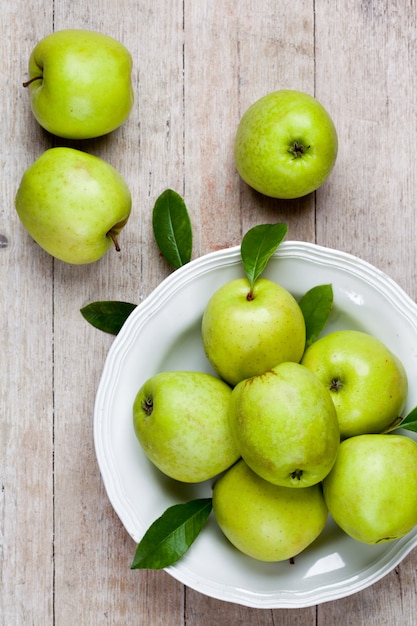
(73,204)
(286,144)
(80,83)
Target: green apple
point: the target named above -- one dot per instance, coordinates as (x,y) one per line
(285,145)
(247,331)
(181,421)
(366,380)
(80,83)
(267,522)
(371,491)
(285,425)
(73,204)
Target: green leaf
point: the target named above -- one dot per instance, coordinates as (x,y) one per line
(170,536)
(408,423)
(172,228)
(257,247)
(316,306)
(108,316)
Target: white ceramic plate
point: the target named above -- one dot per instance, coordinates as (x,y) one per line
(163,333)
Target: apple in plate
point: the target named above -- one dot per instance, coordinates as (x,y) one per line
(285,426)
(80,83)
(73,204)
(367,382)
(286,144)
(265,521)
(180,419)
(371,491)
(247,331)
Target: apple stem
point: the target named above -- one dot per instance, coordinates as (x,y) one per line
(336,385)
(250,296)
(28,82)
(298,149)
(113,237)
(147,405)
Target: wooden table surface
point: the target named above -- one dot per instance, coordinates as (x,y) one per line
(65,556)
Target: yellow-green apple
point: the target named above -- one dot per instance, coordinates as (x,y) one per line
(367,382)
(286,144)
(181,421)
(247,331)
(285,425)
(371,491)
(73,204)
(265,521)
(80,83)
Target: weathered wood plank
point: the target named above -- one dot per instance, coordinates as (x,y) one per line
(26,291)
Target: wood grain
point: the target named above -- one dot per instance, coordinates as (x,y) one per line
(64,555)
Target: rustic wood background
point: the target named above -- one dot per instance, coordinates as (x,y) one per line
(65,556)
